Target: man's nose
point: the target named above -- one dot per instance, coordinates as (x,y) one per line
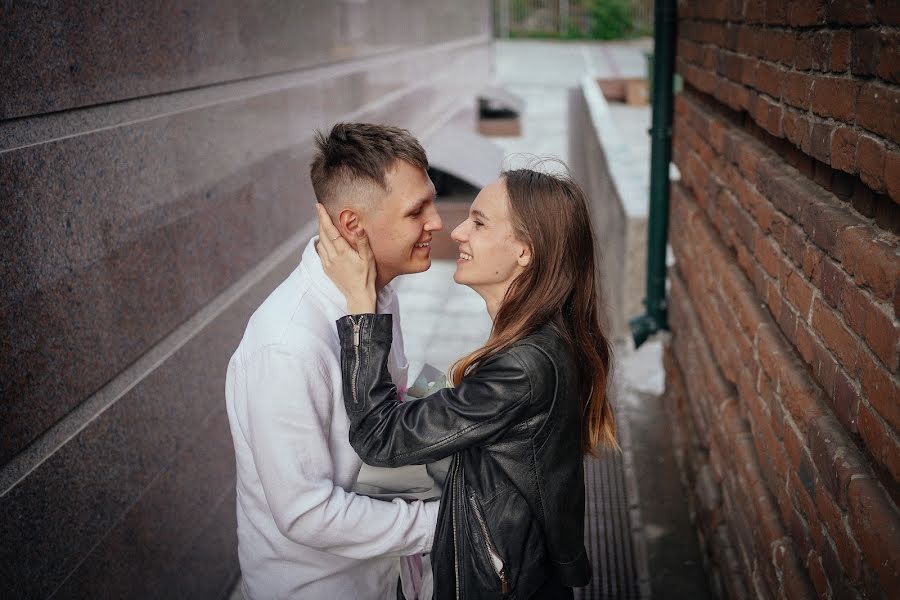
(434,222)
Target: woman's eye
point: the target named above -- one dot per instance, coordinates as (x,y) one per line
(478,224)
(415,214)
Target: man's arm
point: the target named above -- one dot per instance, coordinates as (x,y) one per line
(289,415)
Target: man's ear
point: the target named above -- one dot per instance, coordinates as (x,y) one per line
(524,256)
(348,222)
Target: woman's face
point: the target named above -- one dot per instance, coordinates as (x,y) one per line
(490,256)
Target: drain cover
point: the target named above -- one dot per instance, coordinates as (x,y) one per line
(608,532)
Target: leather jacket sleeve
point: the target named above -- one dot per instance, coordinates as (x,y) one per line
(387,432)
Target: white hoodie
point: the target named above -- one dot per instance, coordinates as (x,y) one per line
(301,532)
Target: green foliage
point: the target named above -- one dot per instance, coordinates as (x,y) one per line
(610,19)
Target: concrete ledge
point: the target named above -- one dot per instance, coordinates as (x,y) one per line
(615,182)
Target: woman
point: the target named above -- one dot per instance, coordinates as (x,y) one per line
(524,408)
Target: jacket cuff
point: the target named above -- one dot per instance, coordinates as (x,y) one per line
(372,328)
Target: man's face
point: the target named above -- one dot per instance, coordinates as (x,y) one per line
(400,230)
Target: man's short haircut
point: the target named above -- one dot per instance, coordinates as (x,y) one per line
(355,154)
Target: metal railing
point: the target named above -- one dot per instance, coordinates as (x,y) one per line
(560,18)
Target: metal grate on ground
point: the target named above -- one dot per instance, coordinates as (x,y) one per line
(613,527)
(607,532)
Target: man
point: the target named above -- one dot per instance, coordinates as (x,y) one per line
(301,532)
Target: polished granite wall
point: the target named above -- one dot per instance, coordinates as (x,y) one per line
(153,190)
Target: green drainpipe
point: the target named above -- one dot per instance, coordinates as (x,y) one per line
(654,318)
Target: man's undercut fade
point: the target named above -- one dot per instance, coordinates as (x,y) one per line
(351,162)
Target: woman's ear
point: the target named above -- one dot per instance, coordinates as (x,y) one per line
(524,256)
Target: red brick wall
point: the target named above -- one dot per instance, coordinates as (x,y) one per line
(782,370)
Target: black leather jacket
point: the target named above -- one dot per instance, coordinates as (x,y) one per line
(515,488)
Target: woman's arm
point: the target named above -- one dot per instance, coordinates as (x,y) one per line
(386,432)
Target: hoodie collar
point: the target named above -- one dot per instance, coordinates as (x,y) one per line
(312,264)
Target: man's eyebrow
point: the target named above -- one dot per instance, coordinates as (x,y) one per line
(417,205)
(480,214)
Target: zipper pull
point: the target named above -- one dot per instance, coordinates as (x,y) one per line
(355,335)
(504,585)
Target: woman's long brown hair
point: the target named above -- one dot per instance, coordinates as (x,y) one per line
(550,214)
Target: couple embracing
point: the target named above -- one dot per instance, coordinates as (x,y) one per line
(316,385)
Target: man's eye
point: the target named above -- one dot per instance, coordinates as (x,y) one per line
(415,214)
(478,224)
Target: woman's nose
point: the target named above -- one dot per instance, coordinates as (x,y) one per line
(458,234)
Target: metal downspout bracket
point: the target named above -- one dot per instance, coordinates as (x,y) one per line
(654,318)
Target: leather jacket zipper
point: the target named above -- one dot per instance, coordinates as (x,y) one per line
(489,543)
(356,327)
(453,518)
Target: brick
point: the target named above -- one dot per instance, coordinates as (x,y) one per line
(749,155)
(880,390)
(865,47)
(774,120)
(767,254)
(729,64)
(824,370)
(833,281)
(882,334)
(711,10)
(889,58)
(897,300)
(787,319)
(872,261)
(802,13)
(804,342)
(845,547)
(876,526)
(818,577)
(836,336)
(794,580)
(749,67)
(846,400)
(755,11)
(835,457)
(840,51)
(769,79)
(741,97)
(796,128)
(734,11)
(782,47)
(798,292)
(732,31)
(776,13)
(870,159)
(835,97)
(799,530)
(880,440)
(824,222)
(853,302)
(849,12)
(813,50)
(892,175)
(812,264)
(790,195)
(878,110)
(887,12)
(843,149)
(820,141)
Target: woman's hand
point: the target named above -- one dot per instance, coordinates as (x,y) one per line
(352,271)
